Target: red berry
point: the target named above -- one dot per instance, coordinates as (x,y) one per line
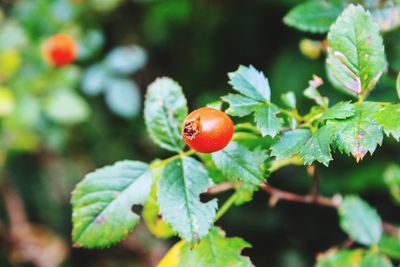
(207,130)
(59,50)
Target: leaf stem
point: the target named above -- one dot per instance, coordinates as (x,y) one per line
(162,163)
(231,200)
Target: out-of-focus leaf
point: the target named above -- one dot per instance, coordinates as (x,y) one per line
(123,97)
(90,44)
(356,57)
(311,92)
(352,258)
(348,258)
(360,221)
(237,162)
(398,85)
(66,107)
(152,218)
(95,80)
(181,183)
(359,134)
(12,35)
(389,119)
(289,99)
(7,101)
(371,259)
(126,60)
(164,112)
(266,119)
(313,16)
(104,5)
(10,61)
(171,259)
(215,250)
(390,246)
(387,16)
(102,203)
(392,179)
(341,110)
(251,83)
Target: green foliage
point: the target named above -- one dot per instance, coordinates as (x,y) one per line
(341,110)
(237,162)
(102,203)
(392,179)
(360,221)
(390,246)
(359,134)
(388,118)
(179,192)
(256,95)
(164,112)
(251,83)
(60,101)
(181,183)
(290,144)
(353,258)
(315,16)
(356,57)
(215,250)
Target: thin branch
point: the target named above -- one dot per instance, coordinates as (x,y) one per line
(314,191)
(278,194)
(219,188)
(391,229)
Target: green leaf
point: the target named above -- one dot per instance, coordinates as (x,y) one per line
(215,250)
(251,83)
(289,99)
(317,147)
(94,80)
(290,144)
(356,57)
(164,112)
(126,60)
(314,16)
(341,110)
(312,92)
(66,107)
(122,97)
(359,134)
(342,258)
(392,179)
(389,119)
(237,162)
(352,258)
(375,260)
(181,183)
(390,246)
(398,85)
(267,121)
(360,221)
(240,105)
(102,203)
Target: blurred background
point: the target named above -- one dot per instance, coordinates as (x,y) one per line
(58,124)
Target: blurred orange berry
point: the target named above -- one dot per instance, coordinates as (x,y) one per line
(59,50)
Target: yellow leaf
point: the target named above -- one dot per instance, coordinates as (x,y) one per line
(7,101)
(10,61)
(171,259)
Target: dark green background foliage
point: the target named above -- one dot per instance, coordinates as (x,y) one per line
(196,43)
